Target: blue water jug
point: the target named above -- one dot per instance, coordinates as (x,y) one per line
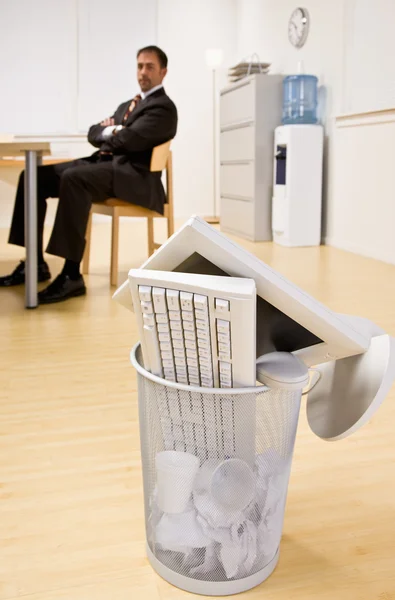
(299,99)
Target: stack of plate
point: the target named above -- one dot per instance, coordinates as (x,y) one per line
(242,69)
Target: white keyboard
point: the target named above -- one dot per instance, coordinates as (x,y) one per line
(198,330)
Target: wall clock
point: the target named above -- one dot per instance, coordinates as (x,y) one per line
(298,27)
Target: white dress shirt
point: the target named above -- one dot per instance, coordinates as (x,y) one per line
(109,130)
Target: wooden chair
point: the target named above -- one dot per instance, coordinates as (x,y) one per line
(115,208)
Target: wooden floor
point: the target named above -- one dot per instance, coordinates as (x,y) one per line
(71,510)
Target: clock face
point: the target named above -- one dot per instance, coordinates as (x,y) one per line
(298,27)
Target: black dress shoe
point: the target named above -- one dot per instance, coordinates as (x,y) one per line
(17,277)
(61,289)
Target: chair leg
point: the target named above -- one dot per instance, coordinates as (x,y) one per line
(114,247)
(87,251)
(150,226)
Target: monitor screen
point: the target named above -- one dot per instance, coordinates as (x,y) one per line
(275,330)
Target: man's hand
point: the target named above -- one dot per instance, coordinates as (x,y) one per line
(107,122)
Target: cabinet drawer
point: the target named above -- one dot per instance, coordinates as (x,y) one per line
(237,144)
(238,180)
(237,216)
(238,104)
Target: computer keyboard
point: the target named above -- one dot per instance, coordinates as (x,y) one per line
(198,330)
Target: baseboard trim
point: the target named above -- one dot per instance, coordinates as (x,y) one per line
(368,252)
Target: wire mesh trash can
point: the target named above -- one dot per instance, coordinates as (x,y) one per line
(216,464)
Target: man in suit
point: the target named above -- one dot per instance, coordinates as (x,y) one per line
(120,168)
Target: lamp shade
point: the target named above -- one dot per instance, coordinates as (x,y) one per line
(214,57)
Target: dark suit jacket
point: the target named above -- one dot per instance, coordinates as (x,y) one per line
(152,122)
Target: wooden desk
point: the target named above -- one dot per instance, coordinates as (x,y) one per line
(33,152)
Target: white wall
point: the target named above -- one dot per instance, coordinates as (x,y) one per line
(64,66)
(38,50)
(109,35)
(362,215)
(185,30)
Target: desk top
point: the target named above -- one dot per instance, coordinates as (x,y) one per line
(19,147)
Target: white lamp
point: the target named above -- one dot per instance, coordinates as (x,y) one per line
(214,58)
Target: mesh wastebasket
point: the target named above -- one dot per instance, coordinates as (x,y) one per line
(216,466)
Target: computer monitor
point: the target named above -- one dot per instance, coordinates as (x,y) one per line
(354,357)
(288,319)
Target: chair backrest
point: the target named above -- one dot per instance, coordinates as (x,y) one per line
(160,155)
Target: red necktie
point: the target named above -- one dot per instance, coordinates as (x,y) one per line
(131,107)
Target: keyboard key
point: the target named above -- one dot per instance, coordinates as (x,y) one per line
(203,360)
(149,320)
(224,356)
(159,298)
(206,370)
(162,318)
(207,382)
(191,344)
(201,314)
(178,433)
(225,379)
(165,346)
(200,318)
(192,362)
(183,380)
(178,344)
(166,424)
(193,370)
(188,435)
(163,328)
(223,326)
(186,300)
(203,334)
(200,301)
(166,355)
(175,325)
(204,344)
(176,335)
(179,352)
(174,315)
(204,352)
(180,361)
(145,293)
(173,301)
(152,346)
(194,381)
(223,338)
(199,436)
(191,353)
(221,306)
(170,376)
(225,367)
(175,413)
(201,325)
(168,363)
(189,326)
(189,335)
(187,315)
(164,337)
(147,307)
(224,347)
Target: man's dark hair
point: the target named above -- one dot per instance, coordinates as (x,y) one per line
(159,53)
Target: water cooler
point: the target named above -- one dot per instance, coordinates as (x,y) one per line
(297,190)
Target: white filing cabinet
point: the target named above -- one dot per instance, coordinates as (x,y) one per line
(250,110)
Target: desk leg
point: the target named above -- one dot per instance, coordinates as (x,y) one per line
(31,228)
